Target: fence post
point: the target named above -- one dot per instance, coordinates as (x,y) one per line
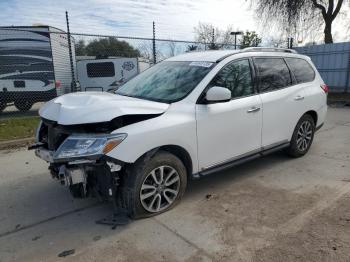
(73,86)
(154,44)
(347,81)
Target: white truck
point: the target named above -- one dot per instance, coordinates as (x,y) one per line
(106,74)
(35,65)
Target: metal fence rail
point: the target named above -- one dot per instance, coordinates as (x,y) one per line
(333,63)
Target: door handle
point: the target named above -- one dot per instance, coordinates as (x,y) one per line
(253,109)
(298,98)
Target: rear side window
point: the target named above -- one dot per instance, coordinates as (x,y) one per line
(301,69)
(273,74)
(105,69)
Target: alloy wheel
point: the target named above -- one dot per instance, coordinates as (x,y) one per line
(160,189)
(304,135)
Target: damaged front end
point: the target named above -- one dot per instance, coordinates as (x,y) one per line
(77,156)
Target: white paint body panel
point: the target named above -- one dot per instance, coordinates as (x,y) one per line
(226,130)
(177,126)
(94,107)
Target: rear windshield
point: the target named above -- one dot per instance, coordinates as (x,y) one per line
(167,81)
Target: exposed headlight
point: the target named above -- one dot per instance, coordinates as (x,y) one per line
(86,145)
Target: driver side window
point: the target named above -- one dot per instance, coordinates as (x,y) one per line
(236,77)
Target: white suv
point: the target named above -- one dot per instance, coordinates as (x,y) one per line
(188,116)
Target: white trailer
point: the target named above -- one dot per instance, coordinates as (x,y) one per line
(106,74)
(34,66)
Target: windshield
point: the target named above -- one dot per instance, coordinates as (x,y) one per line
(167,81)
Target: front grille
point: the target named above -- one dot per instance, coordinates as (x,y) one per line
(51,134)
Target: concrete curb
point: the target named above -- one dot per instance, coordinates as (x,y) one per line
(16,143)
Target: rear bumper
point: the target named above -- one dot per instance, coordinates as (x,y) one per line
(321,116)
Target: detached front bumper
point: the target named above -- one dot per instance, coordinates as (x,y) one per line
(97,174)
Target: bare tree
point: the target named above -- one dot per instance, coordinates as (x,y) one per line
(172,48)
(289,13)
(213,37)
(146,51)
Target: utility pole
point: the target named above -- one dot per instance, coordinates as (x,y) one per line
(73,84)
(290,42)
(213,39)
(235,34)
(154,44)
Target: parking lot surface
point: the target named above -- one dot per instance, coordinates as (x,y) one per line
(272,209)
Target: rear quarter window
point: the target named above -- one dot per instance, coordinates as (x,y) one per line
(302,70)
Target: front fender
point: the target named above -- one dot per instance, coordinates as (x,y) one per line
(172,128)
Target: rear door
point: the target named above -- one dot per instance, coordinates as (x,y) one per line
(230,130)
(282,99)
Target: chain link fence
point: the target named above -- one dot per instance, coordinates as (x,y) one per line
(39,63)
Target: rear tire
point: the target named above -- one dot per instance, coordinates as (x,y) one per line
(2,105)
(23,105)
(153,185)
(303,136)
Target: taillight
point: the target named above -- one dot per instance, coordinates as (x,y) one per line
(325,88)
(57,83)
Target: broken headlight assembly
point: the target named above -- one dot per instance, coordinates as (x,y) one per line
(88,145)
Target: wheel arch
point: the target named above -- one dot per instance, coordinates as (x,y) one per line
(176,150)
(313,114)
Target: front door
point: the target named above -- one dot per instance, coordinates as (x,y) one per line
(230,130)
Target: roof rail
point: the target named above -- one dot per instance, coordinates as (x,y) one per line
(268,49)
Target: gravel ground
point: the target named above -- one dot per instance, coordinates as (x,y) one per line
(272,209)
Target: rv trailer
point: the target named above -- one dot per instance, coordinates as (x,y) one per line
(106,74)
(35,65)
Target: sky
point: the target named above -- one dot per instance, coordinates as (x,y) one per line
(175,19)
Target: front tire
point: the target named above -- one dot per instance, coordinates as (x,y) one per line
(303,136)
(153,185)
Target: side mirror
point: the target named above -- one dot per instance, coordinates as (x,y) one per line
(218,94)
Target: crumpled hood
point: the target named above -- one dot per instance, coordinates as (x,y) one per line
(94,107)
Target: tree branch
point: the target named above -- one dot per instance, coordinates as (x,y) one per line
(321,7)
(330,7)
(337,9)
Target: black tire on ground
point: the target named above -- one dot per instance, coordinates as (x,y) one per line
(137,175)
(303,136)
(23,105)
(2,105)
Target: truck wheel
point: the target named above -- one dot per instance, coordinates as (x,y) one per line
(2,105)
(303,136)
(23,105)
(153,185)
